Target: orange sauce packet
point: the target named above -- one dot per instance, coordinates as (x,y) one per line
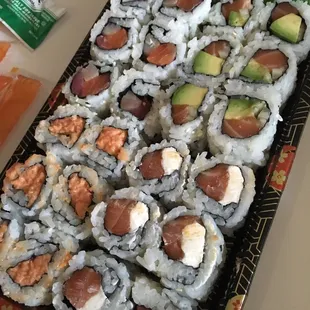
(4,47)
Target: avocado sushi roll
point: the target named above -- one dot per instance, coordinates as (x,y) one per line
(190,254)
(113,37)
(221,187)
(160,169)
(94,280)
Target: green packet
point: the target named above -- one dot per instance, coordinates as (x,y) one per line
(30,20)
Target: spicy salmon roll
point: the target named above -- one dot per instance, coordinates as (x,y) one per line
(124,225)
(160,169)
(243,125)
(160,50)
(95,281)
(190,254)
(112,38)
(27,186)
(264,64)
(90,86)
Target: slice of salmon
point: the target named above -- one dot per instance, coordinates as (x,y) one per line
(272,59)
(162,55)
(241,128)
(283,9)
(113,41)
(188,5)
(235,6)
(4,47)
(216,48)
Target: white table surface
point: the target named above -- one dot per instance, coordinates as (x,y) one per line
(282,278)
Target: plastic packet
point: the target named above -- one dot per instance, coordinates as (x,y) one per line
(30,20)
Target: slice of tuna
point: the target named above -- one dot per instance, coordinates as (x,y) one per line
(283,9)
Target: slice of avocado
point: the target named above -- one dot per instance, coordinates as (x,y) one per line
(189,94)
(287,27)
(208,64)
(236,19)
(241,108)
(257,72)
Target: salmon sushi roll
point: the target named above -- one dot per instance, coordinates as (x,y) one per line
(161,169)
(124,225)
(221,187)
(112,38)
(190,254)
(137,96)
(262,65)
(95,281)
(160,49)
(27,186)
(90,86)
(243,125)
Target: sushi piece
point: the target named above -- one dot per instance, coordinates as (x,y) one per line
(160,169)
(95,281)
(110,146)
(190,255)
(90,86)
(27,186)
(221,187)
(124,225)
(112,38)
(263,64)
(148,294)
(243,125)
(137,97)
(160,50)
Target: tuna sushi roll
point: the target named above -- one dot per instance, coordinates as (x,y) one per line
(221,187)
(94,281)
(289,22)
(243,125)
(263,64)
(160,169)
(109,146)
(160,50)
(112,38)
(90,86)
(148,294)
(190,255)
(30,271)
(27,186)
(124,225)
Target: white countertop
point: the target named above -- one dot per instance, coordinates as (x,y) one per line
(281,281)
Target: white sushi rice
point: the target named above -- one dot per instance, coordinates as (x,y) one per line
(284,85)
(151,294)
(134,243)
(170,187)
(122,54)
(116,284)
(253,150)
(187,281)
(231,216)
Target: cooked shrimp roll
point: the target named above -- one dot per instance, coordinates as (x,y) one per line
(112,38)
(124,225)
(161,169)
(94,281)
(27,186)
(190,254)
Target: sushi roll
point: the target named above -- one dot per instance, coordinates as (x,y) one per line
(160,49)
(264,64)
(113,37)
(126,224)
(78,190)
(90,86)
(221,187)
(110,145)
(95,281)
(190,255)
(148,294)
(161,169)
(243,125)
(289,22)
(27,186)
(137,97)
(29,272)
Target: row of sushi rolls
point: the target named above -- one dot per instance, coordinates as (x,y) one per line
(152,161)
